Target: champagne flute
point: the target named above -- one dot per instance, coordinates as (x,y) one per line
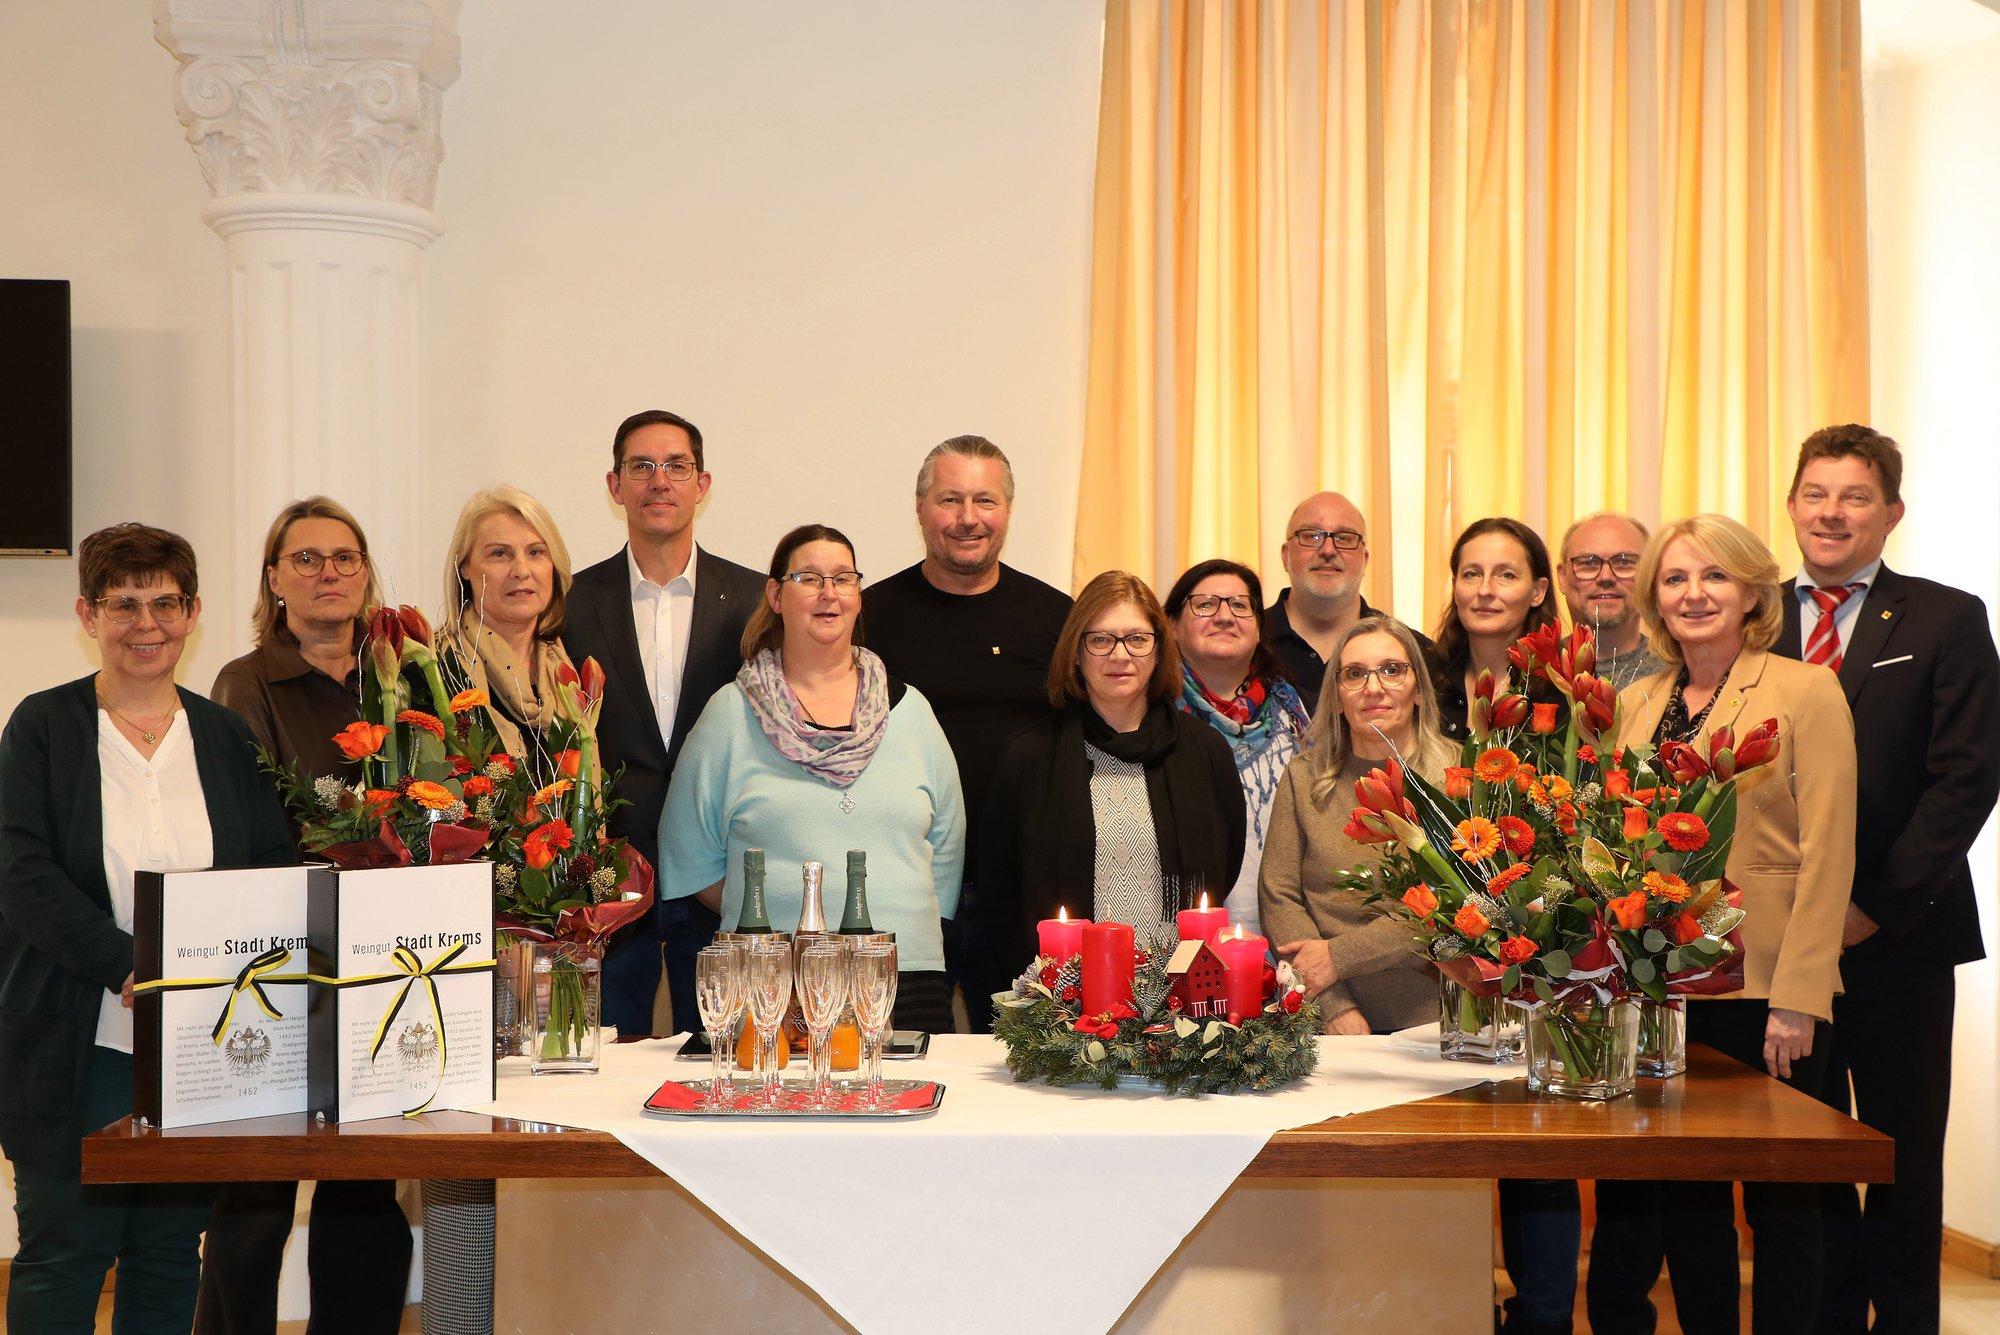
(873,993)
(770,990)
(718,991)
(822,995)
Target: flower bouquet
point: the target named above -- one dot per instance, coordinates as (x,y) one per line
(1157,1037)
(424,796)
(562,881)
(1560,872)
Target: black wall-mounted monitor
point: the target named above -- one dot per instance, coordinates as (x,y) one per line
(35,484)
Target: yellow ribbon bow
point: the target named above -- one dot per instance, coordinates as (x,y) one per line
(253,978)
(412,970)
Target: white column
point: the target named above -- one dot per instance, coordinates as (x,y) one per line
(316,126)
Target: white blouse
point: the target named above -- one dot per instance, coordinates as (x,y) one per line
(154,820)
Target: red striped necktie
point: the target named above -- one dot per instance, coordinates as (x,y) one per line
(1823,645)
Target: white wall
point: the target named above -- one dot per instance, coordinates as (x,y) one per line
(1934,211)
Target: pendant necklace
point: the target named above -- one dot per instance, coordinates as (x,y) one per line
(153,734)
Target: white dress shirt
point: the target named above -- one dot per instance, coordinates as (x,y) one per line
(661,615)
(155,819)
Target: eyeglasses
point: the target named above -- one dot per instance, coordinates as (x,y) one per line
(642,470)
(308,562)
(1343,539)
(1393,673)
(1208,604)
(1139,644)
(844,581)
(1624,565)
(166,609)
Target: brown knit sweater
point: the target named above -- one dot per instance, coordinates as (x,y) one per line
(1375,963)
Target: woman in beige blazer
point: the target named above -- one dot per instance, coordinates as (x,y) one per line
(1708,590)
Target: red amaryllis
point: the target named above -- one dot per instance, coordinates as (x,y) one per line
(1105,1023)
(1382,815)
(1683,762)
(1728,759)
(1597,709)
(578,693)
(1558,659)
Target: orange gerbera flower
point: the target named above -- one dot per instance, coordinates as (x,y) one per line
(1517,834)
(1502,879)
(432,796)
(1477,838)
(1664,885)
(1684,831)
(358,741)
(1495,766)
(1469,921)
(1517,950)
(465,700)
(540,848)
(1549,789)
(552,793)
(1420,899)
(416,718)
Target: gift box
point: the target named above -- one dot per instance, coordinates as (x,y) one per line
(401,1016)
(220,995)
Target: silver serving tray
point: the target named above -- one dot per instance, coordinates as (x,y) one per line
(675,1099)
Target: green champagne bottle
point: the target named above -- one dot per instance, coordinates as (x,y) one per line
(753,919)
(854,921)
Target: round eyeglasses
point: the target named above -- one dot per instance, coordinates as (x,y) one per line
(1208,604)
(344,562)
(1139,644)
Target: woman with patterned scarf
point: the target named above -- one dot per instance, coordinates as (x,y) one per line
(1230,681)
(813,751)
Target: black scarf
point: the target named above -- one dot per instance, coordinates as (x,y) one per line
(1188,814)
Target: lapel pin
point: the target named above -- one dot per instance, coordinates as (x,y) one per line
(1886,614)
(996,650)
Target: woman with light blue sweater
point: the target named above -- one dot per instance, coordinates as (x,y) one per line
(813,751)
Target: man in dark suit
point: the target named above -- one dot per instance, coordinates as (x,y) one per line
(665,621)
(1917,662)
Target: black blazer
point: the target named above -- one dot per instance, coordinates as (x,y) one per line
(60,951)
(598,625)
(1923,681)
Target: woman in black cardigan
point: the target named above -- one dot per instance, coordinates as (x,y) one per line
(118,771)
(1119,808)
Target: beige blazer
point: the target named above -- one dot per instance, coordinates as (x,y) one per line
(1794,852)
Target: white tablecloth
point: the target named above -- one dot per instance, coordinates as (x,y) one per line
(894,1222)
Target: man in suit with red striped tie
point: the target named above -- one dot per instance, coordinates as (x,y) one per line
(1917,662)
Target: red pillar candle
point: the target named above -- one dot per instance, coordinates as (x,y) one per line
(1061,936)
(1243,984)
(1202,924)
(1107,966)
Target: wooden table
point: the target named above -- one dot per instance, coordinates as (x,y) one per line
(1381,1181)
(1722,1121)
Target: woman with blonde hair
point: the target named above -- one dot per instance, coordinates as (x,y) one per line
(1119,807)
(506,590)
(1708,591)
(1377,705)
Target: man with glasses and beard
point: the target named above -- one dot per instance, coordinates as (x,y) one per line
(664,619)
(1325,552)
(975,636)
(1600,555)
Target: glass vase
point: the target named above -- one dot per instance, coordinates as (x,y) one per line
(567,999)
(1584,1049)
(1663,1036)
(1473,1028)
(513,979)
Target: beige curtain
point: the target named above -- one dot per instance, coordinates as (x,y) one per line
(1464,257)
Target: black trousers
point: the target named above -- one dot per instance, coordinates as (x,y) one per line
(1692,1225)
(1892,1045)
(357,1251)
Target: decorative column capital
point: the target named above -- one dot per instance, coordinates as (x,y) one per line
(313,97)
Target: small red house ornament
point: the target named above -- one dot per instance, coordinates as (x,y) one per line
(1198,973)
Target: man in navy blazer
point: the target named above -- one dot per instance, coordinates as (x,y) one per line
(664,619)
(1917,662)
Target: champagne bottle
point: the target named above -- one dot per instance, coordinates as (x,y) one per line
(812,926)
(854,921)
(751,918)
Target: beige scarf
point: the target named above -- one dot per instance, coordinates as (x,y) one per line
(520,698)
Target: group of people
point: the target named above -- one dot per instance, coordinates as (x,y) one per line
(1001,752)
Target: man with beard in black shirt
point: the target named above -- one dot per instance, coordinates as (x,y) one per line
(974,636)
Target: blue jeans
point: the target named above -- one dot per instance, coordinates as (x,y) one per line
(72,1233)
(1541,1232)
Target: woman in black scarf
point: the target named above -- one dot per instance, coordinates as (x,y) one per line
(1119,808)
